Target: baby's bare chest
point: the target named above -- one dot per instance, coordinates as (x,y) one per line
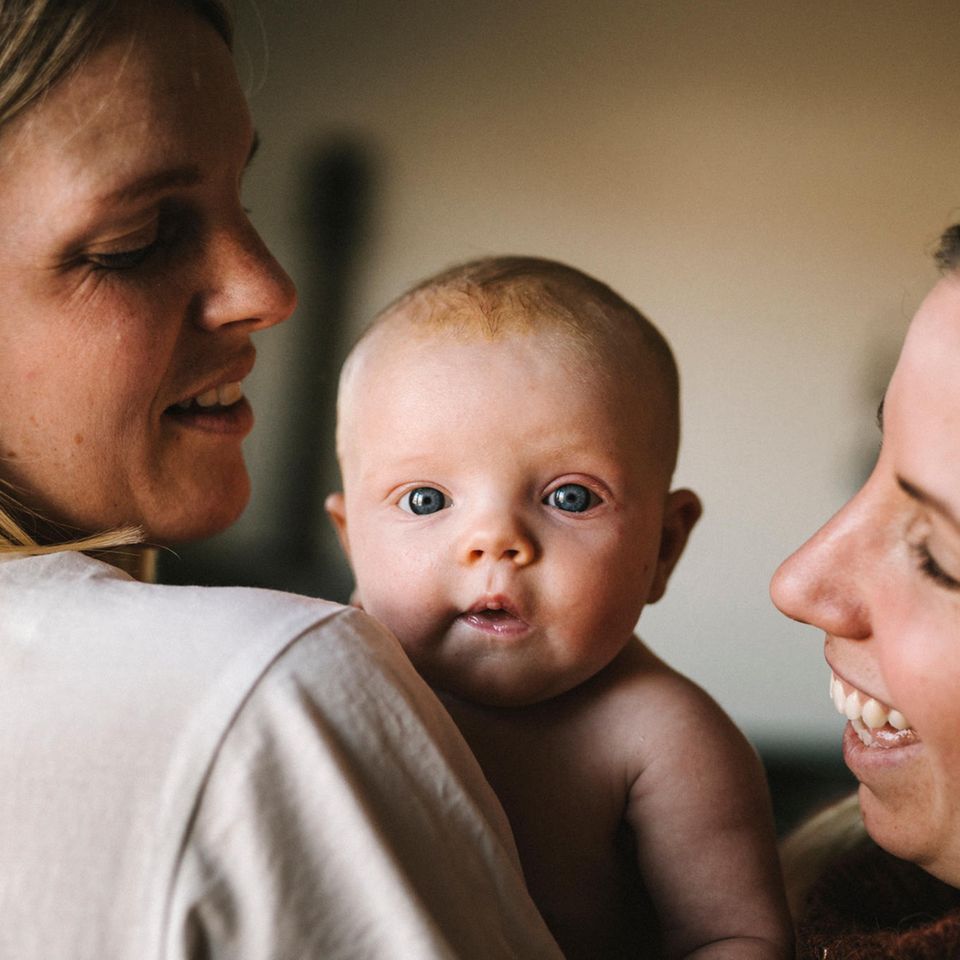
(565,788)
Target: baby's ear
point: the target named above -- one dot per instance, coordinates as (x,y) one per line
(335,505)
(680,514)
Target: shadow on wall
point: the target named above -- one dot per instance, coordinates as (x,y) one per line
(339,192)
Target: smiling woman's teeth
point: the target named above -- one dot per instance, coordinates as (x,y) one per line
(224,395)
(865,714)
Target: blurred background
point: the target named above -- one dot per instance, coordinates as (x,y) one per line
(764,179)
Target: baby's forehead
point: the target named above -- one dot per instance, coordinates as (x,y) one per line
(402,353)
(612,345)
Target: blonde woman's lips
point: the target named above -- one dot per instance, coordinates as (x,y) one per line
(221,409)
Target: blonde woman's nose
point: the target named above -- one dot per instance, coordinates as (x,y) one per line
(244,282)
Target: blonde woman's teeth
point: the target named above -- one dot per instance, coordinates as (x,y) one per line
(224,395)
(867,716)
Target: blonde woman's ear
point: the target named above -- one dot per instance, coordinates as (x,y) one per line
(681,512)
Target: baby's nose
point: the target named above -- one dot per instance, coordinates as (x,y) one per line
(499,538)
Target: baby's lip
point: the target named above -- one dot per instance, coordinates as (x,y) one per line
(495,614)
(496,601)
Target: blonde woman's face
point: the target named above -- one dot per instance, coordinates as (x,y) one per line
(882,580)
(130,283)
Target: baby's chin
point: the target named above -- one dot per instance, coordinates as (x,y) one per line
(496,692)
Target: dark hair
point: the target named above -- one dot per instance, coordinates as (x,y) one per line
(947,253)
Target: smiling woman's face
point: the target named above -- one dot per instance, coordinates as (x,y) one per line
(131,281)
(882,579)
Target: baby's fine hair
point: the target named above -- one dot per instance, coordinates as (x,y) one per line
(494,297)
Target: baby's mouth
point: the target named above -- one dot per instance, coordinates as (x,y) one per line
(876,724)
(494,616)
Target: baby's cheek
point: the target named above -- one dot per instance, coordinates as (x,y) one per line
(396,605)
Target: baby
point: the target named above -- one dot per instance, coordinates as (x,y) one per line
(507,432)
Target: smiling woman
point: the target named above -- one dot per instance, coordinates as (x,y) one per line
(187,773)
(882,580)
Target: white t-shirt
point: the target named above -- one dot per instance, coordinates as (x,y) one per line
(202,773)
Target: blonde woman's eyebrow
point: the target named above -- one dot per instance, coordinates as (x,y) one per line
(928,499)
(187,175)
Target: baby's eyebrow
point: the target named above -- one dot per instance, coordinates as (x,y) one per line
(880,412)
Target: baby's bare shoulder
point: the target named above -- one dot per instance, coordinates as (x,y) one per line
(640,684)
(653,715)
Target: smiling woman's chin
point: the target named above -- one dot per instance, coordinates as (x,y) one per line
(910,827)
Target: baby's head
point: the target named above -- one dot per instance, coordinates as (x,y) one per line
(507,431)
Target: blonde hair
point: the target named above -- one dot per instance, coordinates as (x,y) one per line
(41,42)
(15,538)
(807,852)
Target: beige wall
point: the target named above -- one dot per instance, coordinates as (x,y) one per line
(764,179)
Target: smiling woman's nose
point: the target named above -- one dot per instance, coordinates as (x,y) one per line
(826,581)
(498,538)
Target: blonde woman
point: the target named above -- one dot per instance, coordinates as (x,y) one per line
(185,772)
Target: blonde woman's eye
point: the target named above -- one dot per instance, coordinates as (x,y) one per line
(572,498)
(122,259)
(172,226)
(424,500)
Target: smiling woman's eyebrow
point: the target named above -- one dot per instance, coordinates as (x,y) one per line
(928,500)
(185,176)
(254,147)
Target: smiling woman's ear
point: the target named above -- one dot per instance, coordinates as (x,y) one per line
(335,505)
(681,512)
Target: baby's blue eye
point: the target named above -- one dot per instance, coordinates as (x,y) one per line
(572,497)
(423,500)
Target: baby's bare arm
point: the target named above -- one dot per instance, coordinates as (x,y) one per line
(701,815)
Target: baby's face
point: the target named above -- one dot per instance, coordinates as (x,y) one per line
(503,511)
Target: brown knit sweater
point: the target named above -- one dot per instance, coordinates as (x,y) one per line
(871,906)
